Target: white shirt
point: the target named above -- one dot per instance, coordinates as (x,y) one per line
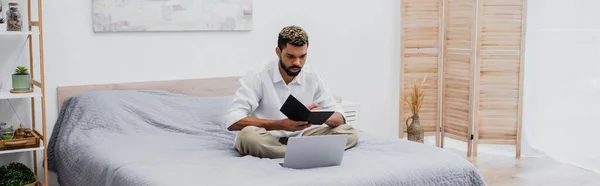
(263,92)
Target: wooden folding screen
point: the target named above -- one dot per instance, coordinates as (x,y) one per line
(499,74)
(472,51)
(420,50)
(459,60)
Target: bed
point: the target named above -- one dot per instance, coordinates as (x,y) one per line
(171,133)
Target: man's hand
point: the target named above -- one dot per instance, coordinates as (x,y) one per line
(291,125)
(335,120)
(314,107)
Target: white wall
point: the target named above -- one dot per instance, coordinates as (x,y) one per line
(365,73)
(564,81)
(75,55)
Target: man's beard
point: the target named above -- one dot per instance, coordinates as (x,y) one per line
(287,70)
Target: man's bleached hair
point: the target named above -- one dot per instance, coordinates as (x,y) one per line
(293,35)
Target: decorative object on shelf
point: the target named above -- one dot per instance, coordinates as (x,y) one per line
(172,15)
(6,133)
(28,133)
(20,133)
(20,139)
(17,174)
(415,100)
(21,81)
(14,21)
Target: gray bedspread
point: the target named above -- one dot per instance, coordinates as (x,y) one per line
(160,138)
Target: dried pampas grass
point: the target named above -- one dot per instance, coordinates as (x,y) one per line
(414,98)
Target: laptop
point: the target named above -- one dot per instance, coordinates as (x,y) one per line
(305,152)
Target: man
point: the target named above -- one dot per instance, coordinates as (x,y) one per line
(263,129)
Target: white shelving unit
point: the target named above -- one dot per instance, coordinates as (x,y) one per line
(15,43)
(13,33)
(22,150)
(37,93)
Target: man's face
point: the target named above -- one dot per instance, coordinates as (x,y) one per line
(292,58)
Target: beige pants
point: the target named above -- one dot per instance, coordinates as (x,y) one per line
(259,142)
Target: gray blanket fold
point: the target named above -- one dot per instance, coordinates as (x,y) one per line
(161,138)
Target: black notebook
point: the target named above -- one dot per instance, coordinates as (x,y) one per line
(295,110)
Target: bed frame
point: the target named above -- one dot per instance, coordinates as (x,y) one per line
(196,87)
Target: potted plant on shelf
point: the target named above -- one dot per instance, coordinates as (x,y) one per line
(6,133)
(17,174)
(21,80)
(414,100)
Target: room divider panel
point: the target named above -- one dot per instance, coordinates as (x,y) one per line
(499,75)
(421,46)
(472,52)
(459,54)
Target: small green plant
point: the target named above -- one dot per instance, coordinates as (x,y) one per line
(21,70)
(6,137)
(16,174)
